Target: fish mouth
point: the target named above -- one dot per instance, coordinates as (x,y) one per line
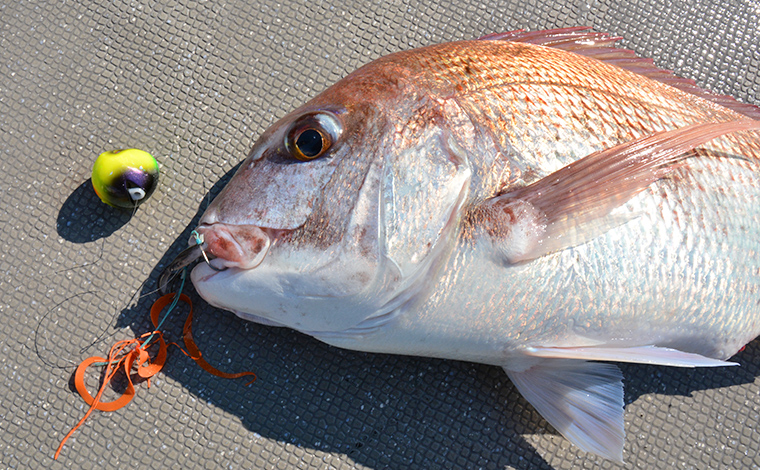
(233,246)
(223,246)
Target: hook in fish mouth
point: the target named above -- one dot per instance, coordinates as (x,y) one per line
(199,243)
(187,257)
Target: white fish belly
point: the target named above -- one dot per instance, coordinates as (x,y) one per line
(683,272)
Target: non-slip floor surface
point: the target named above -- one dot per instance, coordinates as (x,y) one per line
(195,83)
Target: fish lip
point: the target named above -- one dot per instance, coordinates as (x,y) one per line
(245,255)
(274,234)
(213,272)
(196,251)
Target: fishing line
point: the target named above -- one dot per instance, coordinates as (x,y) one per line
(100,256)
(207,198)
(138,358)
(41,339)
(104,335)
(102,247)
(39,331)
(199,242)
(170,308)
(137,363)
(146,342)
(39,327)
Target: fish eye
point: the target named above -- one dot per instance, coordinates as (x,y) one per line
(311,143)
(312,135)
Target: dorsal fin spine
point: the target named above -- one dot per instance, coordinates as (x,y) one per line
(601,46)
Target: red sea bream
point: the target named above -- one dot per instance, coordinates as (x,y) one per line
(537,201)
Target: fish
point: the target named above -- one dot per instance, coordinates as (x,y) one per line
(545,202)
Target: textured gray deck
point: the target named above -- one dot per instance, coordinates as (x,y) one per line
(195,85)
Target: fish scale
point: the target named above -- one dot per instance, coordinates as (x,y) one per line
(537,201)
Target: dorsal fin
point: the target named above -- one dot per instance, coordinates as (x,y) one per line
(601,46)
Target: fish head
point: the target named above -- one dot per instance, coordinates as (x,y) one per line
(335,213)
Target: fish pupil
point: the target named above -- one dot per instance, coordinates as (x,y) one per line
(310,143)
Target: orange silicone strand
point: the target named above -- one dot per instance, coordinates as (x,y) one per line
(146,367)
(195,353)
(112,365)
(192,349)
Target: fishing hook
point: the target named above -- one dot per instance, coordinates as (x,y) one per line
(184,259)
(199,242)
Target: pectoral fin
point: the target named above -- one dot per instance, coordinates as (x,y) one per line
(572,205)
(582,400)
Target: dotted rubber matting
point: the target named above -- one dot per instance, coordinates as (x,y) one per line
(195,84)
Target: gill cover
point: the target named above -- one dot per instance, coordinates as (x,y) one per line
(423,187)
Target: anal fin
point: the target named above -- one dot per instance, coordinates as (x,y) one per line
(582,400)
